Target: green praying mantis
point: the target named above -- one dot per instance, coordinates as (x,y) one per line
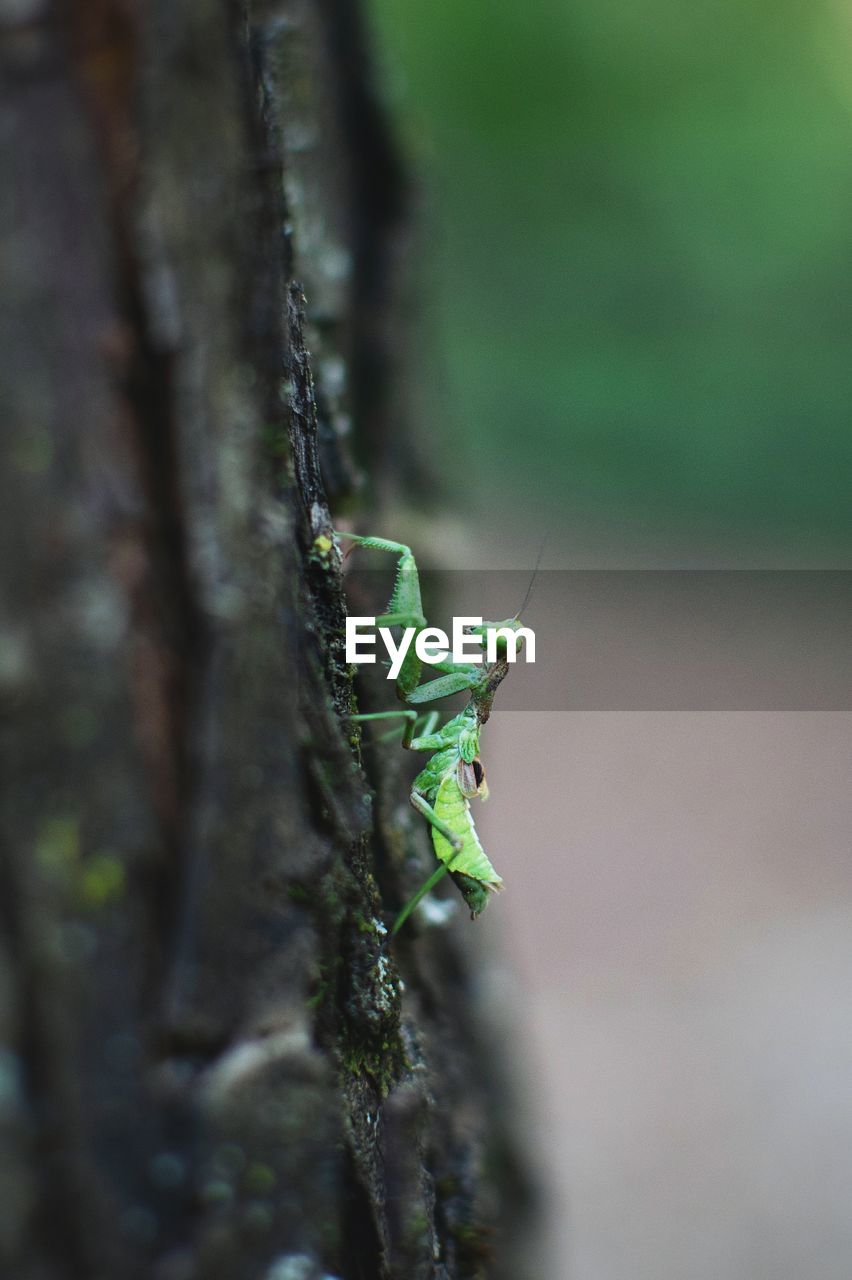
(454,775)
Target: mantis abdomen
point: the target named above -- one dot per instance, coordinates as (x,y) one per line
(453,808)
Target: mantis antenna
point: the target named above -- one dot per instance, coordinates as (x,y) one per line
(534,576)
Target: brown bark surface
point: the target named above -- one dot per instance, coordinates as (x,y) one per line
(208,1064)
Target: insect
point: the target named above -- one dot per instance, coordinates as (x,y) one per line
(455,774)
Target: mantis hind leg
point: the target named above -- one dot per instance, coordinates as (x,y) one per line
(427,886)
(422,806)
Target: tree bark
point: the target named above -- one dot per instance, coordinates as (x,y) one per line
(207,1065)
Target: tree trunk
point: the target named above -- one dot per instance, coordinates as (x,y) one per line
(207,1064)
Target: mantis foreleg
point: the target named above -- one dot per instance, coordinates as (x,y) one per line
(405,609)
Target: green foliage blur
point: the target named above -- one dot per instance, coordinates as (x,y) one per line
(640,229)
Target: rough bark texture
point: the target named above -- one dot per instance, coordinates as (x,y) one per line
(208,1067)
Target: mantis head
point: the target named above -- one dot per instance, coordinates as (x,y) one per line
(508,632)
(501,642)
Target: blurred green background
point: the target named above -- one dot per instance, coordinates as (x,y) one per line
(637,282)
